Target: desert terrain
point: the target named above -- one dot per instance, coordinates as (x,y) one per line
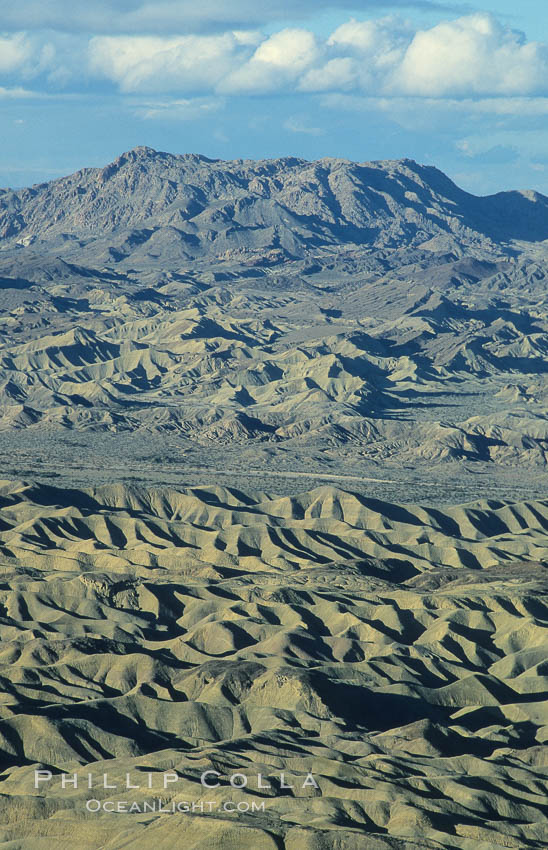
(274,439)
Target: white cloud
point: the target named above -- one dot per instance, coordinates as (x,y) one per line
(15,52)
(297,125)
(182,109)
(364,53)
(17,92)
(152,63)
(277,61)
(471,55)
(55,57)
(383,40)
(498,106)
(510,106)
(26,56)
(339,74)
(529,143)
(289,48)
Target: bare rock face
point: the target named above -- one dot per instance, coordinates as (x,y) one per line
(286,203)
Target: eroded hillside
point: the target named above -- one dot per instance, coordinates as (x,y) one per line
(396,653)
(360,317)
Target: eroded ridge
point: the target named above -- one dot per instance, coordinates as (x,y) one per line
(394,653)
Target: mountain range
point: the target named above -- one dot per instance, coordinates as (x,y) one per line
(326,317)
(190,207)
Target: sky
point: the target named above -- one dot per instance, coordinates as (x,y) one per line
(459,85)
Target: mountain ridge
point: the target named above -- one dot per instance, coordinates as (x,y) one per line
(286,204)
(333,318)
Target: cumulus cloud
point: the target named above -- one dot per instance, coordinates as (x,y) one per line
(153,63)
(25,56)
(339,74)
(277,61)
(15,52)
(56,58)
(383,39)
(471,55)
(364,53)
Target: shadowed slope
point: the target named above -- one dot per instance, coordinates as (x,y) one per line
(396,652)
(284,204)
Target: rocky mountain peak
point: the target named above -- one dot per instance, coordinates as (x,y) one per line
(287,204)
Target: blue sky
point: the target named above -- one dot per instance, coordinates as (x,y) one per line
(454,84)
